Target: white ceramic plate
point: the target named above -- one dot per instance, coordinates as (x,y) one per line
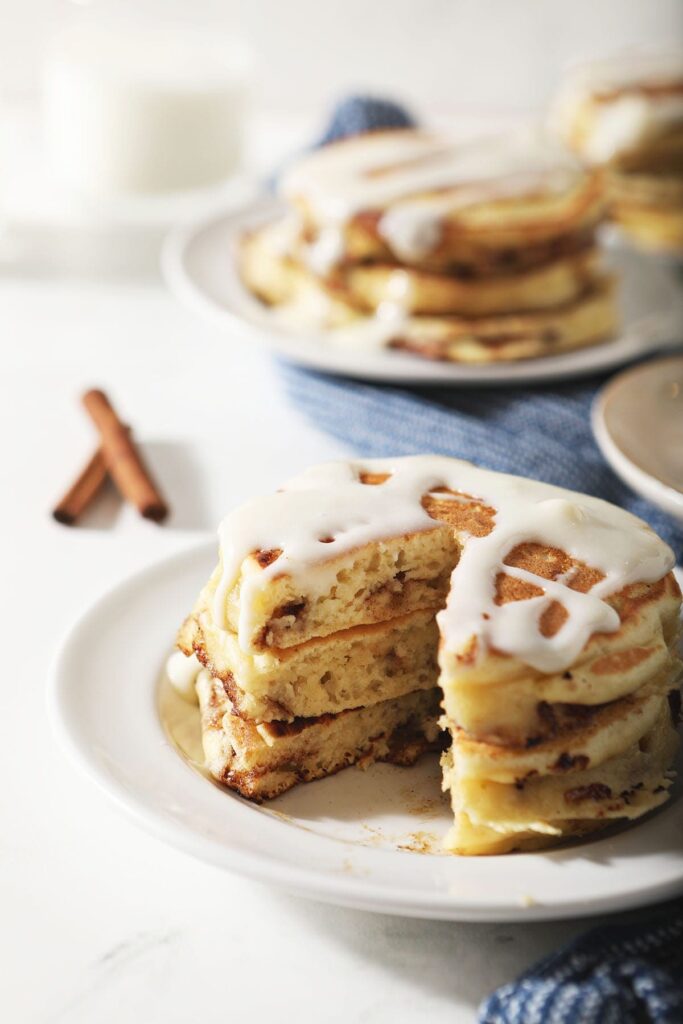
(638,423)
(200,267)
(353,839)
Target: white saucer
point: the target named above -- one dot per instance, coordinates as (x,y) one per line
(350,839)
(638,424)
(200,267)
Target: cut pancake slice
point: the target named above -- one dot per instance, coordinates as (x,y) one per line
(506,701)
(351,668)
(627,114)
(593,738)
(372,583)
(262,761)
(495,817)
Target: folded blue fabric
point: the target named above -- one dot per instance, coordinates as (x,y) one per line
(619,974)
(622,974)
(359,114)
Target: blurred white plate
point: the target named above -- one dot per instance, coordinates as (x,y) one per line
(355,839)
(200,267)
(638,424)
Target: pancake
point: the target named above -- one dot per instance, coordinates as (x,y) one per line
(351,668)
(557,635)
(507,701)
(262,761)
(500,819)
(550,285)
(275,275)
(475,252)
(626,113)
(420,199)
(587,320)
(620,106)
(493,817)
(591,738)
(307,303)
(649,207)
(346,584)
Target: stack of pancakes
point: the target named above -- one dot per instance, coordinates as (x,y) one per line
(300,704)
(627,114)
(553,616)
(471,252)
(540,755)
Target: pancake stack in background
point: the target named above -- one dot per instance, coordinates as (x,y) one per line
(626,113)
(554,617)
(468,252)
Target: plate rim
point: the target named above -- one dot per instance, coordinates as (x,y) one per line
(646,484)
(322,885)
(400,368)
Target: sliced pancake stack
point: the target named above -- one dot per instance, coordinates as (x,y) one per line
(300,701)
(554,618)
(470,252)
(538,755)
(626,114)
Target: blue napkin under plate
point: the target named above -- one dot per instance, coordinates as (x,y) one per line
(618,974)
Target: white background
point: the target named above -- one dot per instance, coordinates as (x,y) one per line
(452,53)
(99,923)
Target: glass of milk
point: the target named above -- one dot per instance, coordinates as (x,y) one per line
(143,106)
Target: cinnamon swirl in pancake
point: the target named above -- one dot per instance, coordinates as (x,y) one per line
(471,252)
(262,760)
(554,616)
(626,113)
(350,668)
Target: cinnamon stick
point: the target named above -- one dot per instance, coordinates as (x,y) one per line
(122,458)
(83,490)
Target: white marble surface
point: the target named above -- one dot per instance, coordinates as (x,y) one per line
(100,923)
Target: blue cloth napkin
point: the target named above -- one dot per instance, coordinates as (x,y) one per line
(359,114)
(619,974)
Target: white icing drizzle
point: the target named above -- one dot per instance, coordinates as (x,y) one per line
(330,501)
(323,255)
(182,671)
(283,234)
(394,169)
(413,230)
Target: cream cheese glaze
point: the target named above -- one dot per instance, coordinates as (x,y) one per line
(392,169)
(331,501)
